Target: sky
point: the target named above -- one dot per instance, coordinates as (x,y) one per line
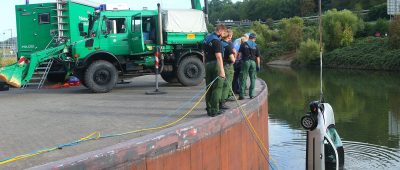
(7,10)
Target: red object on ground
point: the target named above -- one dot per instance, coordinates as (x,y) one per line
(65,85)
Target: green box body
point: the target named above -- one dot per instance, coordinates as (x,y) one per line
(35,35)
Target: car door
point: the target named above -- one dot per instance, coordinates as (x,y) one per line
(136,39)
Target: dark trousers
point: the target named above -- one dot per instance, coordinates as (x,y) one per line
(213,96)
(235,82)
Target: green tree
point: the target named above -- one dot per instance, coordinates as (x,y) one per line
(347,37)
(382,26)
(394,33)
(308,52)
(292,32)
(335,23)
(307,7)
(263,35)
(378,11)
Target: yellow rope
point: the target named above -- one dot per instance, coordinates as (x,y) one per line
(98,135)
(258,138)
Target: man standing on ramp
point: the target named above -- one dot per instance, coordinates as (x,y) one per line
(214,69)
(250,55)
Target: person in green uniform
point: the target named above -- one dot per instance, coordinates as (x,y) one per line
(229,60)
(250,55)
(214,69)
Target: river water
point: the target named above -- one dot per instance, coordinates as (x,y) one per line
(367,113)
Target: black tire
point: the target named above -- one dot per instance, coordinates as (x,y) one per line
(101,76)
(190,71)
(169,76)
(308,122)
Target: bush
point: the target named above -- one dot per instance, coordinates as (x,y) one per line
(274,50)
(338,26)
(347,37)
(263,33)
(394,33)
(308,52)
(311,32)
(381,26)
(370,28)
(365,53)
(238,32)
(378,11)
(292,32)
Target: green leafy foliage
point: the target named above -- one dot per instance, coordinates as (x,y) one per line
(263,34)
(382,26)
(394,33)
(273,51)
(336,23)
(307,7)
(378,11)
(371,28)
(292,32)
(365,53)
(311,32)
(278,9)
(347,38)
(308,52)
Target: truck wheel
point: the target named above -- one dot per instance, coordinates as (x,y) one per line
(191,71)
(308,122)
(169,77)
(101,76)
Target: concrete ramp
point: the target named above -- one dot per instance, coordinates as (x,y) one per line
(222,142)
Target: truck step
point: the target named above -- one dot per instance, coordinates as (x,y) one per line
(36,78)
(41,68)
(33,84)
(39,73)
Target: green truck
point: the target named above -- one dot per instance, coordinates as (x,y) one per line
(102,47)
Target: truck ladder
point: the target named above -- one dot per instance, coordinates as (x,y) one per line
(62,19)
(40,75)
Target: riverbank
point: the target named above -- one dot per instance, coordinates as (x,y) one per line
(371,53)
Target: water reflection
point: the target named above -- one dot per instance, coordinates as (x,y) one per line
(367,113)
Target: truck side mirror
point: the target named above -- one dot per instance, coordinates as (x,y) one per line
(81,31)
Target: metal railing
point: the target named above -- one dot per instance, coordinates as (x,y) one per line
(8,50)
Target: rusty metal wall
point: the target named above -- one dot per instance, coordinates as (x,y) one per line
(223,142)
